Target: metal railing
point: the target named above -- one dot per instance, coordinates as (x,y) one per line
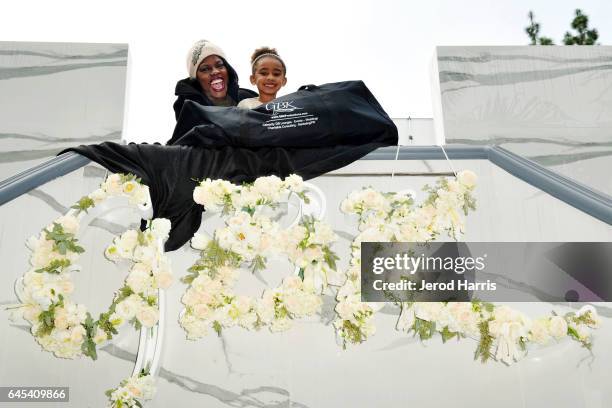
(580,196)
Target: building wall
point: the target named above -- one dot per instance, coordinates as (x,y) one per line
(55,95)
(552,104)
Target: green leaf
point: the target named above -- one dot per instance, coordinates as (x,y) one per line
(483,351)
(47,318)
(424,328)
(304,197)
(56,266)
(63,241)
(330,257)
(136,323)
(571,331)
(217,327)
(447,334)
(142,239)
(258,264)
(84,204)
(352,332)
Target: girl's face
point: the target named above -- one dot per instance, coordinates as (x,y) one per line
(213,77)
(269,77)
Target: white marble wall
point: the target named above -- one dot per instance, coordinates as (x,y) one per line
(552,104)
(54,95)
(305,367)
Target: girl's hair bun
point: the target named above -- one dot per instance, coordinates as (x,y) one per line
(261,51)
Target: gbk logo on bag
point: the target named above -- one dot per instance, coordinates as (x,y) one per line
(281,107)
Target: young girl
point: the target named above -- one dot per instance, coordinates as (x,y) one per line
(268,74)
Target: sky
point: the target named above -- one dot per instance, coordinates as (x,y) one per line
(387,44)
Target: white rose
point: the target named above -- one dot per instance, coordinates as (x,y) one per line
(98,196)
(265,309)
(199,195)
(195,328)
(558,327)
(141,196)
(467,178)
(345,310)
(294,183)
(201,311)
(112,253)
(227,275)
(69,223)
(61,319)
(455,187)
(127,308)
(323,234)
(139,280)
(430,311)
(295,304)
(147,386)
(145,254)
(312,253)
(160,227)
(539,331)
(269,187)
(112,185)
(164,280)
(347,206)
(147,315)
(593,312)
(292,283)
(200,241)
(126,243)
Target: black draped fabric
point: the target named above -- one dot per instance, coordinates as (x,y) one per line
(237,145)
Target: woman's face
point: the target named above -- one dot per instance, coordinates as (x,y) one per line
(213,77)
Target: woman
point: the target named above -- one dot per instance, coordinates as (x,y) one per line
(212,81)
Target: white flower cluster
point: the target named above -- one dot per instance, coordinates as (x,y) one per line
(509,330)
(250,236)
(391,217)
(385,217)
(211,303)
(218,195)
(306,245)
(354,324)
(134,389)
(122,184)
(150,272)
(59,324)
(66,338)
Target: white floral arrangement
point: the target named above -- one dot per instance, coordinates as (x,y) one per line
(249,238)
(66,328)
(392,217)
(132,392)
(502,333)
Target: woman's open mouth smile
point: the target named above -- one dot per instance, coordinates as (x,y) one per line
(217,84)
